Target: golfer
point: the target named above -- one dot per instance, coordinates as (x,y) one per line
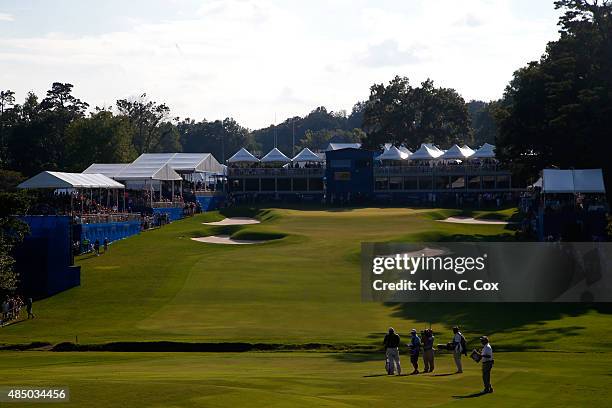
(459,348)
(428,351)
(391,343)
(487,364)
(415,348)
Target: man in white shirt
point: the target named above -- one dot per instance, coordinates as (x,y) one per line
(487,364)
(459,344)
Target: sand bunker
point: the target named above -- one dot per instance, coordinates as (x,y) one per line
(234,221)
(470,220)
(226,240)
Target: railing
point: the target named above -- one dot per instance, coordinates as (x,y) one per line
(441,170)
(287,172)
(105,218)
(168,204)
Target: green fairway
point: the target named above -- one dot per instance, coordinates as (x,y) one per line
(307,380)
(303,288)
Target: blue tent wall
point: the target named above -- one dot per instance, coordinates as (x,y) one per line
(174,213)
(210,202)
(44,260)
(113,231)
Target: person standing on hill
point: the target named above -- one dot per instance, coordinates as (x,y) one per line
(391,343)
(29,308)
(428,351)
(415,348)
(459,348)
(97,247)
(105,245)
(486,355)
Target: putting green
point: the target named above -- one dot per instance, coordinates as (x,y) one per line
(306,380)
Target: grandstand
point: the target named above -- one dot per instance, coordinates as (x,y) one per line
(346,172)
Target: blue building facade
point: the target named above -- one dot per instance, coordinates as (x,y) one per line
(44,260)
(349,175)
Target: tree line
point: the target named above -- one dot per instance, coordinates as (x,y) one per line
(61,132)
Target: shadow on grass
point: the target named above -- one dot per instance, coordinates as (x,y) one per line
(475,395)
(509,318)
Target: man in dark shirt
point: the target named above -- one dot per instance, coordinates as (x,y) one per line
(391,343)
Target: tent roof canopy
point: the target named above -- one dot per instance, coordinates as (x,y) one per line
(427,151)
(339,146)
(55,179)
(148,170)
(307,155)
(183,162)
(393,153)
(275,156)
(243,156)
(573,181)
(108,169)
(457,153)
(487,151)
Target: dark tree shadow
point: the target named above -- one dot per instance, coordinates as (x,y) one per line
(509,317)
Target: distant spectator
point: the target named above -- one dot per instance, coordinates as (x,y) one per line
(29,308)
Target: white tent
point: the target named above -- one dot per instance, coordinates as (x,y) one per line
(487,151)
(142,171)
(404,149)
(243,156)
(573,181)
(306,155)
(589,181)
(468,150)
(426,152)
(557,181)
(183,162)
(340,146)
(108,169)
(457,153)
(275,156)
(55,180)
(393,153)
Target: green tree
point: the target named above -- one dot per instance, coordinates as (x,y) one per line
(99,138)
(319,139)
(401,114)
(483,124)
(12,232)
(7,100)
(222,138)
(558,110)
(145,117)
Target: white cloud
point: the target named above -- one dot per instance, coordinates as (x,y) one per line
(388,53)
(6,17)
(253,58)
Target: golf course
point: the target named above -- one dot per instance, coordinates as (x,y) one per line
(147,323)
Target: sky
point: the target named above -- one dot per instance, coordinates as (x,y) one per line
(261,61)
